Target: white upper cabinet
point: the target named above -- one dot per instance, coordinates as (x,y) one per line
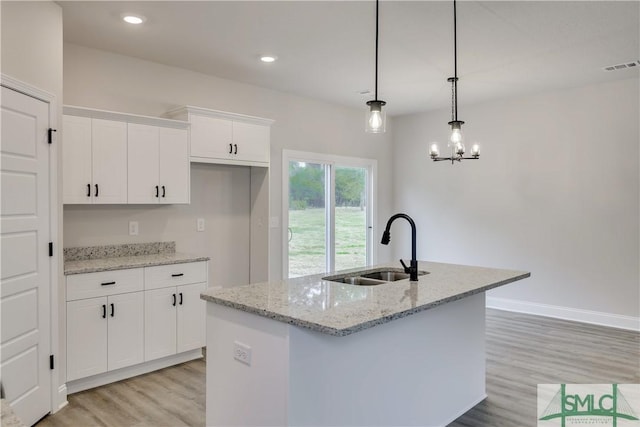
(228,138)
(114,157)
(95,161)
(158,165)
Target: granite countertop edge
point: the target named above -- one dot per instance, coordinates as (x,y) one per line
(357,327)
(128,262)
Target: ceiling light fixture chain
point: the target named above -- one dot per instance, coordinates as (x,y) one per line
(376,116)
(455,140)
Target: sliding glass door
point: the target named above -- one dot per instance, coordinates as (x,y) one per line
(328,206)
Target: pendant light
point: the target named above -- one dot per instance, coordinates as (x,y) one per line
(376,116)
(456,140)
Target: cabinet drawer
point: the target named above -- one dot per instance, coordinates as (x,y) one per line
(104,283)
(163,276)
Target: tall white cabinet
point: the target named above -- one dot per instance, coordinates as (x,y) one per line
(111,157)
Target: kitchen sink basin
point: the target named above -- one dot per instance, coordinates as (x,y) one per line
(372,277)
(356,280)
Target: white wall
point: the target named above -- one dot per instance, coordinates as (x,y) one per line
(104,80)
(556,192)
(31,51)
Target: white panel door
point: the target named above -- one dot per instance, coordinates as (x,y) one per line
(174,166)
(109,161)
(125,335)
(76,160)
(211,137)
(143,164)
(25,274)
(86,337)
(159,323)
(191,317)
(251,142)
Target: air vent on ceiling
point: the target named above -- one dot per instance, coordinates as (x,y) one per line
(631,64)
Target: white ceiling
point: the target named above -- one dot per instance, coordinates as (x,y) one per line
(325,49)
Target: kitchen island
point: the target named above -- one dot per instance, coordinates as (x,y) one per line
(310,351)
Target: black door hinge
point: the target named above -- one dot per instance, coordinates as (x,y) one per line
(51,130)
(50,248)
(51,362)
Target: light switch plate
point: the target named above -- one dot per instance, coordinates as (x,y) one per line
(133,228)
(200,224)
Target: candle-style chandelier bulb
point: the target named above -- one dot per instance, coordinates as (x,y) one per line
(456,133)
(434,151)
(475,150)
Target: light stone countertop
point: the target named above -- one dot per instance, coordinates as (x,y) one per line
(125,262)
(342,309)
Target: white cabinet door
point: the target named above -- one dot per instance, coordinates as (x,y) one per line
(190,317)
(125,330)
(159,323)
(211,137)
(109,161)
(251,141)
(174,165)
(86,337)
(76,161)
(143,164)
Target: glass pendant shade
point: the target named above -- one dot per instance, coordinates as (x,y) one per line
(376,117)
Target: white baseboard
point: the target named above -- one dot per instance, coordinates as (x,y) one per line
(566,313)
(131,371)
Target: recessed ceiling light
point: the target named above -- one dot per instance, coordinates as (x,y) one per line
(133,19)
(268,58)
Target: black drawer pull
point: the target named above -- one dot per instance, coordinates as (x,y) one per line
(113,310)
(163,191)
(180,298)
(230,148)
(96,190)
(107,283)
(174,300)
(104,311)
(157,191)
(177,275)
(236,150)
(88,190)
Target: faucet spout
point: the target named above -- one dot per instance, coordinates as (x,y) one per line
(386,238)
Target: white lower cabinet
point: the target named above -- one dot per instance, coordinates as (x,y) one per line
(124,318)
(104,334)
(174,320)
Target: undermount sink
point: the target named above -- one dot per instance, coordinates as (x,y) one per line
(372,277)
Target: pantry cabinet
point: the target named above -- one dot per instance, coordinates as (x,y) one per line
(158,164)
(227,138)
(95,161)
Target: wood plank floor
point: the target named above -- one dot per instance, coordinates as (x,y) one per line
(522,351)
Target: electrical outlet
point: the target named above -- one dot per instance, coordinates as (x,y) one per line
(242,353)
(133,228)
(200,224)
(274,222)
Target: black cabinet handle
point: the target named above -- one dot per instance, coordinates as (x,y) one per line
(157,191)
(236,146)
(107,283)
(177,275)
(113,310)
(174,300)
(96,190)
(104,311)
(180,298)
(230,148)
(163,191)
(88,190)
